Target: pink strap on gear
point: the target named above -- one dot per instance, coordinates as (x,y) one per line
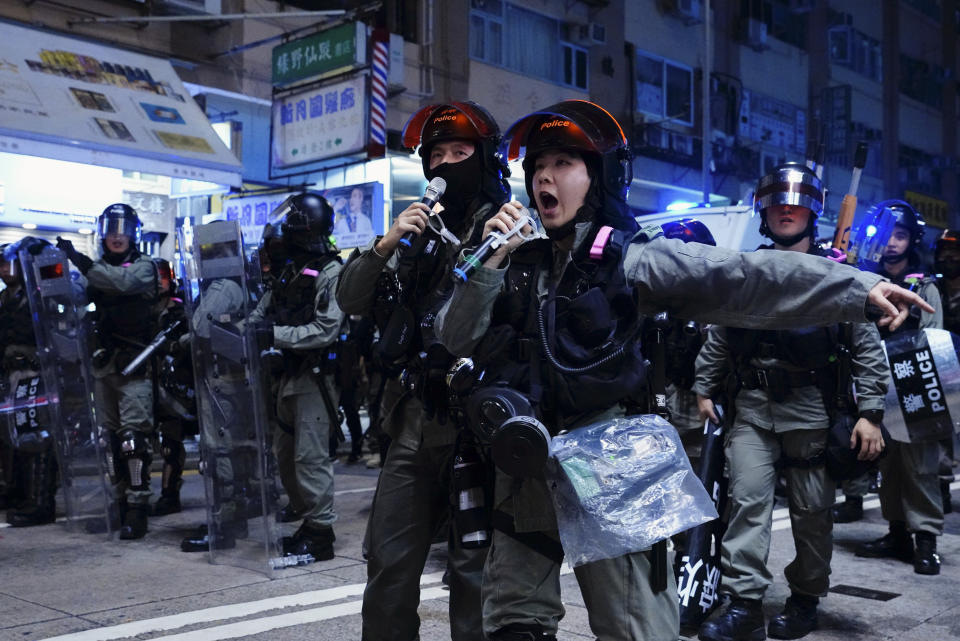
(310,272)
(603,237)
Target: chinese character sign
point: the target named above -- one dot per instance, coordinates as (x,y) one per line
(323,122)
(319,53)
(253,213)
(925,393)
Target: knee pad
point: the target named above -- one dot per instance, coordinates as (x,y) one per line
(135,452)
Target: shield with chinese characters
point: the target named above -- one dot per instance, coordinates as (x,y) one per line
(923,402)
(58,306)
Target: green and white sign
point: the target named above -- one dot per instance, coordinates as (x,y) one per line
(322,53)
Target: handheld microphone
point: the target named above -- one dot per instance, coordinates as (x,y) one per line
(491,243)
(430,197)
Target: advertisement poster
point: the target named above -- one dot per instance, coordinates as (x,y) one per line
(83,96)
(322,122)
(358,211)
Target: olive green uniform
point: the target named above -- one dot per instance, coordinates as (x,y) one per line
(764,431)
(910,486)
(691,281)
(413,494)
(125,402)
(306,471)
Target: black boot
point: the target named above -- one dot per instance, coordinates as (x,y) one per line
(522,632)
(226,538)
(39,507)
(174,456)
(742,621)
(895,544)
(313,539)
(925,558)
(945,496)
(135,522)
(849,511)
(798,619)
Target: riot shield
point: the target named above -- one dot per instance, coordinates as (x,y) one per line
(923,400)
(59,309)
(239,473)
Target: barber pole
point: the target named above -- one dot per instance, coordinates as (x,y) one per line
(378,94)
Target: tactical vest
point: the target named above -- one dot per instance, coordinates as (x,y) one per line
(408,301)
(576,351)
(951,309)
(127,316)
(293,296)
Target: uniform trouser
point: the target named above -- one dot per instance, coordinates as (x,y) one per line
(412,500)
(910,491)
(303,457)
(857,486)
(219,419)
(125,403)
(752,455)
(522,587)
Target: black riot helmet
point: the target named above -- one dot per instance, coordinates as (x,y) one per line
(590,131)
(10,255)
(460,121)
(119,218)
(947,266)
(910,219)
(297,229)
(794,184)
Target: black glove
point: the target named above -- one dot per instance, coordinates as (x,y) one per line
(83,263)
(263,334)
(34,245)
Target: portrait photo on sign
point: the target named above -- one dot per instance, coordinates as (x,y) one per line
(358,213)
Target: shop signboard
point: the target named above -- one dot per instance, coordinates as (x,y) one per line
(322,122)
(320,54)
(84,102)
(253,213)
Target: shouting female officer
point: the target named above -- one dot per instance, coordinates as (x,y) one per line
(590,280)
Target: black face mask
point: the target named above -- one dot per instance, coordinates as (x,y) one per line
(463,187)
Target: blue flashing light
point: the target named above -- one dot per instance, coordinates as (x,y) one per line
(871,231)
(680,205)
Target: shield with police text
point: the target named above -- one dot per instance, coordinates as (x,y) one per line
(239,471)
(64,399)
(923,402)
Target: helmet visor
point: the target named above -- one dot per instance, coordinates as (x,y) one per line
(447,122)
(119,225)
(599,131)
(790,187)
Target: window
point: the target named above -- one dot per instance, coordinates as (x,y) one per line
(525,41)
(664,89)
(855,50)
(574,66)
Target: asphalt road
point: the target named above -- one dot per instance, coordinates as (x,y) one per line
(77,587)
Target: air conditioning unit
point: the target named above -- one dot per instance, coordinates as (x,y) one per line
(592,33)
(756,34)
(690,11)
(681,143)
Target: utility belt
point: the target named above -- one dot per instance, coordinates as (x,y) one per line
(320,361)
(777,381)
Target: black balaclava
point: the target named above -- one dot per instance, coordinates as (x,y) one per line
(463,187)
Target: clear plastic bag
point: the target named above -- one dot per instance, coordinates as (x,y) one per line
(621,485)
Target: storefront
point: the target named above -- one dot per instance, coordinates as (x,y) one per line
(83,125)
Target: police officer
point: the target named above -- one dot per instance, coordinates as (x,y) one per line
(910,496)
(175,411)
(577,172)
(228,460)
(124,286)
(299,316)
(781,389)
(946,257)
(32,469)
(457,142)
